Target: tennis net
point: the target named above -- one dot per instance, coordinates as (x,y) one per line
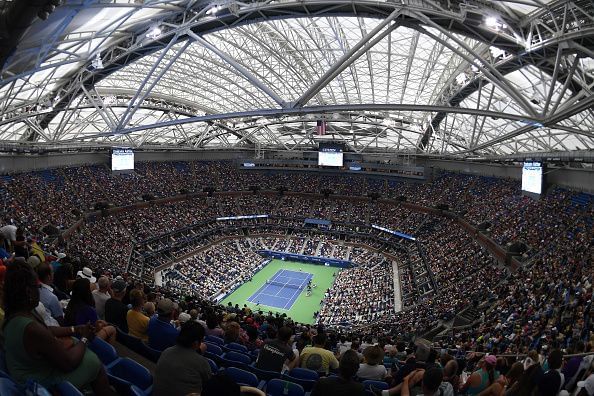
(291,285)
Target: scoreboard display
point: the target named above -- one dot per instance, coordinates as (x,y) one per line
(331,154)
(532,177)
(122,159)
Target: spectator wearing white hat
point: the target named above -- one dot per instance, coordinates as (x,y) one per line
(87,273)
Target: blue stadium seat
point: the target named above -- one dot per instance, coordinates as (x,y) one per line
(126,372)
(242,377)
(302,376)
(236,359)
(3,361)
(213,366)
(133,343)
(277,387)
(136,391)
(304,373)
(377,384)
(255,354)
(151,354)
(214,340)
(213,348)
(8,387)
(65,388)
(263,374)
(233,346)
(104,351)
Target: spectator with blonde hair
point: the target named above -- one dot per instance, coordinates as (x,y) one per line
(137,320)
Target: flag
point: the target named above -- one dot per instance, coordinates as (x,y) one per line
(321,127)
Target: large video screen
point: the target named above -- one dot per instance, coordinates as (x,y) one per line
(122,159)
(532,177)
(330,155)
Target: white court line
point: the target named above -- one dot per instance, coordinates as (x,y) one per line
(281,274)
(257,293)
(272,295)
(291,299)
(296,291)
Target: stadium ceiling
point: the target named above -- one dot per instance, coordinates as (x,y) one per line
(447,77)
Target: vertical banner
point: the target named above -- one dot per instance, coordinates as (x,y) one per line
(321,127)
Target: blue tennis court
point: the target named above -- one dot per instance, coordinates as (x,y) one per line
(282,289)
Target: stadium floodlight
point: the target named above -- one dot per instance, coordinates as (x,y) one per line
(494,23)
(97,63)
(153,32)
(213,10)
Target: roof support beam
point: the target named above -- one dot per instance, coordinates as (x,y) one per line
(488,70)
(320,109)
(549,123)
(239,67)
(141,93)
(364,45)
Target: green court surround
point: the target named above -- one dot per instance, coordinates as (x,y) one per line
(304,307)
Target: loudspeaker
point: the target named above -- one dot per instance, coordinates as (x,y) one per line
(401,198)
(101,205)
(209,190)
(517,248)
(51,230)
(148,197)
(254,189)
(442,206)
(484,226)
(374,196)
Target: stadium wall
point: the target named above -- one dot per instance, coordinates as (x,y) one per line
(579,179)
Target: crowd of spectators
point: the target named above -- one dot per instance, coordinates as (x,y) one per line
(538,310)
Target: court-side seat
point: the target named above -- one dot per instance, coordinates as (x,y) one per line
(277,387)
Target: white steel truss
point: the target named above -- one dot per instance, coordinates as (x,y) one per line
(429,76)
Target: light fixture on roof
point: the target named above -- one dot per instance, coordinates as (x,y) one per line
(494,23)
(154,32)
(214,9)
(97,63)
